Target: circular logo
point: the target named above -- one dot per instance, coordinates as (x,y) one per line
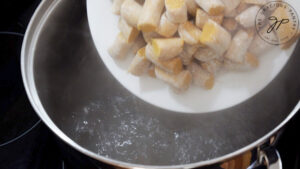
(277,22)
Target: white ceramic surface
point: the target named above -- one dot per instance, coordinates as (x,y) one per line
(231,88)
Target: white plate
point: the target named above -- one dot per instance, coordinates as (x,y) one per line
(230,88)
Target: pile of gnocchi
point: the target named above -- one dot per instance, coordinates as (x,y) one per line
(184,42)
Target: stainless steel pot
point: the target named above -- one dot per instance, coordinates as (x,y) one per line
(80,101)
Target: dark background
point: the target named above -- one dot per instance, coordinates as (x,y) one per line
(15,14)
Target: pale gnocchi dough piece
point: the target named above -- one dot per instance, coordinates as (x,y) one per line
(189,33)
(239,46)
(131,11)
(173,66)
(202,17)
(216,37)
(176,11)
(201,77)
(247,17)
(116,7)
(212,66)
(166,28)
(130,33)
(187,54)
(212,7)
(251,61)
(191,7)
(230,5)
(150,17)
(165,49)
(120,47)
(180,81)
(140,64)
(148,36)
(205,54)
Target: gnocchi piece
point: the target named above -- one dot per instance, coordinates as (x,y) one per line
(247,17)
(230,24)
(120,47)
(116,7)
(212,66)
(230,5)
(202,17)
(191,7)
(130,33)
(176,11)
(150,16)
(148,36)
(231,14)
(189,33)
(139,64)
(239,46)
(201,78)
(165,49)
(180,81)
(242,7)
(258,45)
(205,54)
(138,44)
(212,7)
(166,27)
(187,54)
(130,11)
(172,66)
(151,71)
(215,37)
(250,62)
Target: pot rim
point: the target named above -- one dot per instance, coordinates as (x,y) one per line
(37,21)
